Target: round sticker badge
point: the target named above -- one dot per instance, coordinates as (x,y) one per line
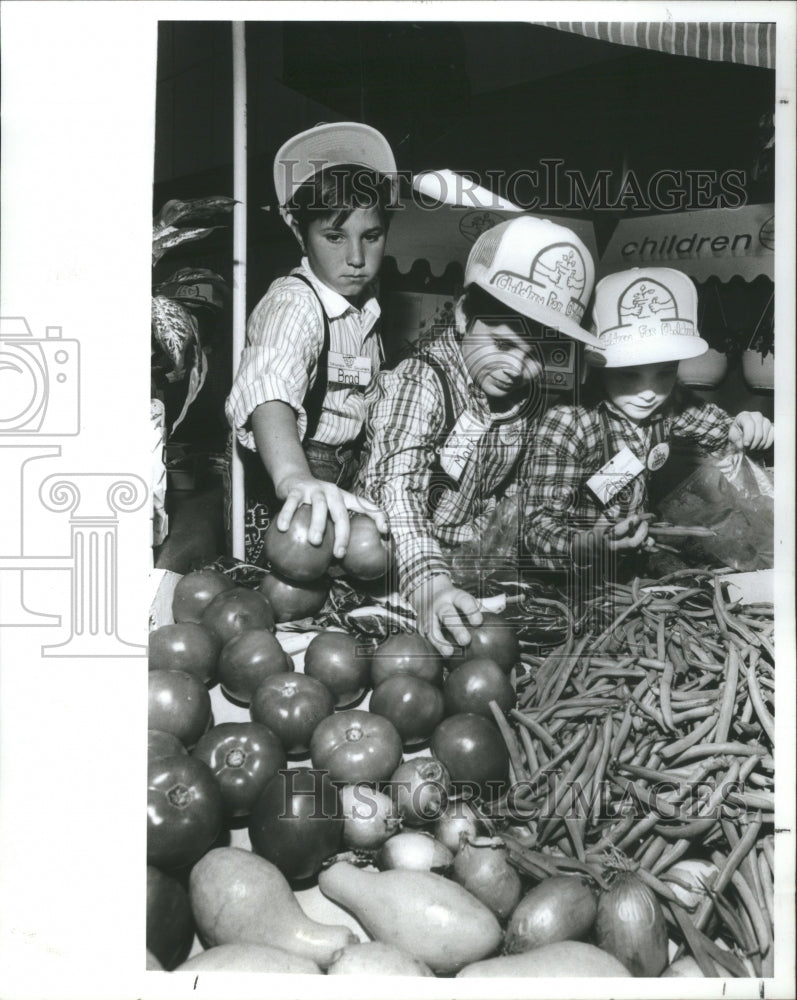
(657,456)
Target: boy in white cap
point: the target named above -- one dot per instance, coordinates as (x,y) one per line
(447,428)
(312,344)
(588,474)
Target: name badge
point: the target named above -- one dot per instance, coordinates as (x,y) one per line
(658,455)
(348,369)
(615,475)
(460,444)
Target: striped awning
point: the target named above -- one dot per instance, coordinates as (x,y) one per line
(749,43)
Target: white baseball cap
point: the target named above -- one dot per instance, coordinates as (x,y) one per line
(329,145)
(539,269)
(645,316)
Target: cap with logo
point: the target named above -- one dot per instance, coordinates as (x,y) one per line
(538,268)
(329,145)
(645,316)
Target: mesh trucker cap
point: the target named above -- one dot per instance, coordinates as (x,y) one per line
(327,146)
(537,268)
(645,316)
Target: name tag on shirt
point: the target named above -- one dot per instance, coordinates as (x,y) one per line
(460,444)
(615,475)
(348,369)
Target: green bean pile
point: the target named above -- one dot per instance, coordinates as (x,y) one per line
(647,739)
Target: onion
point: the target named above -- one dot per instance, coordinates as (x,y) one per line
(696,874)
(414,850)
(630,926)
(560,908)
(481,867)
(369,817)
(419,788)
(459,817)
(685,967)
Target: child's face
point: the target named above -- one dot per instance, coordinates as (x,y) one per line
(639,390)
(347,257)
(499,359)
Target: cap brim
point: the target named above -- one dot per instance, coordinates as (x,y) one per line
(654,352)
(564,324)
(327,146)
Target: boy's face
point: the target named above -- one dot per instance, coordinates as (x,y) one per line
(348,256)
(639,390)
(499,359)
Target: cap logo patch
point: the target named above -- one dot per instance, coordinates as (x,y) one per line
(556,280)
(643,300)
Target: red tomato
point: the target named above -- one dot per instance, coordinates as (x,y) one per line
(471,688)
(296,822)
(420,788)
(356,746)
(406,653)
(494,638)
(185,646)
(234,611)
(368,553)
(243,757)
(292,705)
(291,601)
(247,659)
(472,750)
(341,662)
(170,923)
(195,591)
(291,554)
(185,811)
(160,744)
(179,703)
(413,705)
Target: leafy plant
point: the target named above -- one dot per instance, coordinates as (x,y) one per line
(179,301)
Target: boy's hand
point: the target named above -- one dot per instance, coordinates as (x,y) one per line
(441,607)
(630,533)
(325,498)
(751,431)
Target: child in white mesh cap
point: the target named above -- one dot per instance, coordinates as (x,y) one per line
(446,429)
(588,474)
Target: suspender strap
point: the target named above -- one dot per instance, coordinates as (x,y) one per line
(440,480)
(314,398)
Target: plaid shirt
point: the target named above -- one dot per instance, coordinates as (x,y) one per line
(284,337)
(569,448)
(405,417)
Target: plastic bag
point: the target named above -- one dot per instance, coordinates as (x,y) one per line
(734,497)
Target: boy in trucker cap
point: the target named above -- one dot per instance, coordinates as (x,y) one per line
(312,346)
(589,471)
(446,429)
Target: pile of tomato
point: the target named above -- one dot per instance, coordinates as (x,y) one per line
(207,779)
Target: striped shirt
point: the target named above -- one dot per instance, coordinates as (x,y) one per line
(569,448)
(284,338)
(405,417)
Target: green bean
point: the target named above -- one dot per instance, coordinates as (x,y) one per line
(728,696)
(767,878)
(738,749)
(757,701)
(511,742)
(695,943)
(535,728)
(699,733)
(727,866)
(758,917)
(532,761)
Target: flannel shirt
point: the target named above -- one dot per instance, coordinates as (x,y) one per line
(568,449)
(284,338)
(404,419)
